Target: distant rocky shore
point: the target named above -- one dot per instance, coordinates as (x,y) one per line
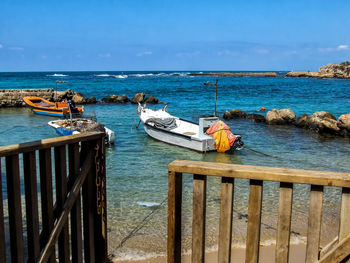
(320,122)
(341,70)
(14,97)
(235,74)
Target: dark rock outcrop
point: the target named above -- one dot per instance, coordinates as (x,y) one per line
(323,122)
(234,114)
(256,118)
(302,121)
(138,98)
(280,117)
(116,99)
(151,100)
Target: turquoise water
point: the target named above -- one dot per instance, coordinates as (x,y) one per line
(137,165)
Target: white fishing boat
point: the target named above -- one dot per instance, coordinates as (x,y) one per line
(77,126)
(164,127)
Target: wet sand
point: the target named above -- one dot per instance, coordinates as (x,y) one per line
(267,255)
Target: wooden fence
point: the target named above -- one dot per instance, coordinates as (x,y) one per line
(336,251)
(67,221)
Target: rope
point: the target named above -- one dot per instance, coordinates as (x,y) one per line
(258,152)
(141,224)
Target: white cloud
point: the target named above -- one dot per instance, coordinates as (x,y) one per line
(343,47)
(16,48)
(227,52)
(145,53)
(331,49)
(107,55)
(188,54)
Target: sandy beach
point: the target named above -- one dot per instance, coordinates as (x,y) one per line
(267,255)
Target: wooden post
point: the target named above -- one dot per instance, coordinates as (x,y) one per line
(198,218)
(76,225)
(15,208)
(2,227)
(61,195)
(314,225)
(174,216)
(284,222)
(254,221)
(46,198)
(89,206)
(226,213)
(32,213)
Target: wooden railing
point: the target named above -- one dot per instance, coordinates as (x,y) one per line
(336,251)
(68,220)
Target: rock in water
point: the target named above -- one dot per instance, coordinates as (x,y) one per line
(323,122)
(138,98)
(283,116)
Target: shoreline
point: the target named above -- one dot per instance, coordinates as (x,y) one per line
(236,74)
(297,254)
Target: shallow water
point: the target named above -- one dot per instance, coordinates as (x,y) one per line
(137,164)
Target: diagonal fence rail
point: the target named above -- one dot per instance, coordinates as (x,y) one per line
(67,221)
(336,251)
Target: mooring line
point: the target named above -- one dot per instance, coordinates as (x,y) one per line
(141,224)
(261,153)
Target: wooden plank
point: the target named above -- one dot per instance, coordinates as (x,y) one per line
(46,199)
(15,208)
(89,206)
(254,221)
(344,228)
(48,143)
(76,225)
(61,194)
(284,222)
(262,173)
(225,226)
(2,226)
(62,220)
(338,252)
(198,219)
(174,216)
(32,211)
(314,225)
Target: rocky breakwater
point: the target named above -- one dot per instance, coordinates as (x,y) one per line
(235,74)
(138,98)
(321,122)
(341,70)
(14,97)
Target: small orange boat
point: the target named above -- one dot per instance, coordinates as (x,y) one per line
(56,109)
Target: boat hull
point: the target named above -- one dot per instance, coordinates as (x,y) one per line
(186,141)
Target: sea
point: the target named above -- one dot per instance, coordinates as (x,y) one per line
(137,179)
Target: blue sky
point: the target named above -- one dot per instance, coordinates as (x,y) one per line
(172,35)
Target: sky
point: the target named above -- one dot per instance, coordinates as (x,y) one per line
(186,35)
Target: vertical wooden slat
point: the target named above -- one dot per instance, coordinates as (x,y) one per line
(226,213)
(2,226)
(61,196)
(198,223)
(89,206)
(284,222)
(32,214)
(46,198)
(76,225)
(314,225)
(344,228)
(174,216)
(14,207)
(254,221)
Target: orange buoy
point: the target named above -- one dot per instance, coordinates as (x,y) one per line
(262,109)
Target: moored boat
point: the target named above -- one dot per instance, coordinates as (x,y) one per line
(76,126)
(164,127)
(57,109)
